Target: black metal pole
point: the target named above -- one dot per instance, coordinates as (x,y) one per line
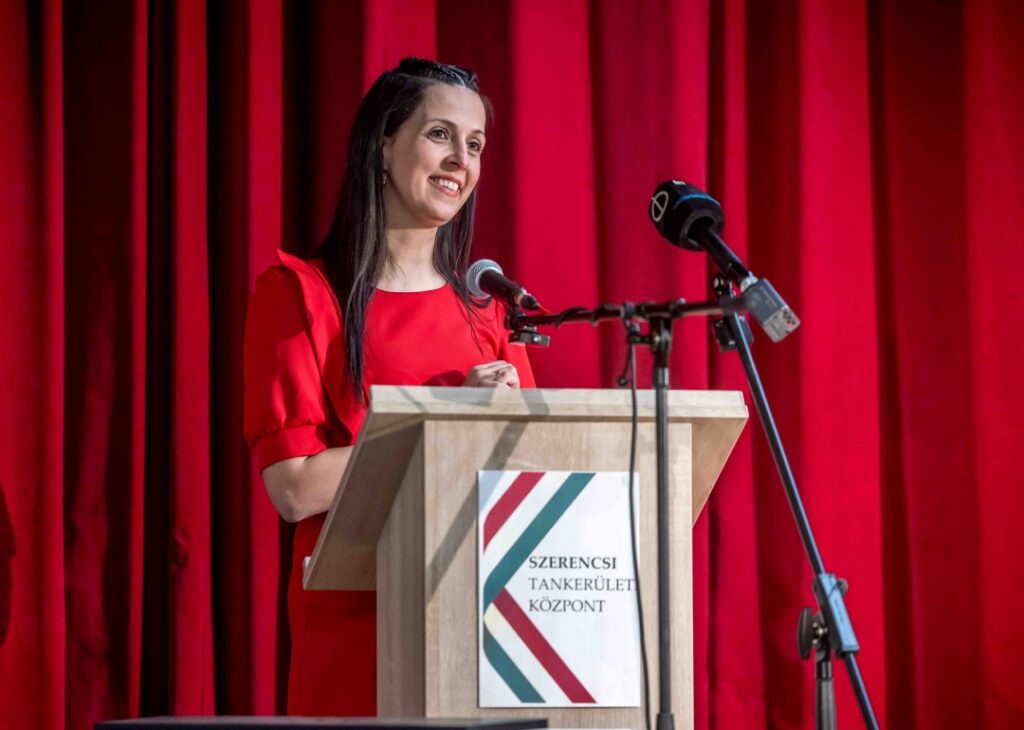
(827,590)
(824,695)
(661,344)
(859,689)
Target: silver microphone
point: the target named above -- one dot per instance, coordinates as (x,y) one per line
(485,279)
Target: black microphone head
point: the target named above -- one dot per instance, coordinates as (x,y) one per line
(474,273)
(678,207)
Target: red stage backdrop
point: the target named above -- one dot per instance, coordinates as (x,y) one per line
(153,154)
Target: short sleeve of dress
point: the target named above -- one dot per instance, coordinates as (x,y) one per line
(286,408)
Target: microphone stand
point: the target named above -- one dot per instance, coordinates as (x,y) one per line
(659,317)
(831,630)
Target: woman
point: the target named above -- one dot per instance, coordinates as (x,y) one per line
(396,257)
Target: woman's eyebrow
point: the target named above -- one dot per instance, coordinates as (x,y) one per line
(453,125)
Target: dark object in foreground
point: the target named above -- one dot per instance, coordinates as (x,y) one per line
(315,723)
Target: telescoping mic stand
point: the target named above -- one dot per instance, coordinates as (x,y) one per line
(659,317)
(830,630)
(691,219)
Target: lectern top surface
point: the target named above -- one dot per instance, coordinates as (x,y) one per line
(546,403)
(592,425)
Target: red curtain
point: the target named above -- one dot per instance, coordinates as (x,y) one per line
(154,153)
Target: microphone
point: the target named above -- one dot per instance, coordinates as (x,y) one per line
(485,279)
(688,217)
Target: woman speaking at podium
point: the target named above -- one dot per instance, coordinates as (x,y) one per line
(384,302)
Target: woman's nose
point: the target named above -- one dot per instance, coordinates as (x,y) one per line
(459,156)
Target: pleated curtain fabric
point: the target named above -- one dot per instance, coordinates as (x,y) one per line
(155,153)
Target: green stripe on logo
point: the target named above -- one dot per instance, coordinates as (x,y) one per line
(533,534)
(508,671)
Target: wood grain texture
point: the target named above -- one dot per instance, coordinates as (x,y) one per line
(344,557)
(549,403)
(411,487)
(400,615)
(451,549)
(720,414)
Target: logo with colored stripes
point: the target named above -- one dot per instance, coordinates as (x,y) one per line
(540,655)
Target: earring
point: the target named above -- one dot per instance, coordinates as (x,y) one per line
(384,178)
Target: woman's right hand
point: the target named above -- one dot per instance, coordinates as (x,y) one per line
(497,374)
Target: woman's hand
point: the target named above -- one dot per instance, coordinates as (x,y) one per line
(497,374)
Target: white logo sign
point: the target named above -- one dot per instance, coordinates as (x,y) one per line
(558,623)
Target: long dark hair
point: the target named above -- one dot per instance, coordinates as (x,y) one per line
(355,251)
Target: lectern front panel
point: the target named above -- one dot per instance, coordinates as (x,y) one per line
(450,589)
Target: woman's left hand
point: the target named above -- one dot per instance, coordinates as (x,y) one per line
(497,374)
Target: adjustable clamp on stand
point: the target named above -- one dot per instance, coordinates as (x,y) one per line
(812,634)
(721,326)
(529,336)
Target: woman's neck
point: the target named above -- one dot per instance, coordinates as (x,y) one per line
(410,265)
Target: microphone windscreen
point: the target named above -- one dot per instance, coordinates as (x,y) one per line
(475,271)
(678,208)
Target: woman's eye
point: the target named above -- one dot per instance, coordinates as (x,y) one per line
(438,133)
(475,146)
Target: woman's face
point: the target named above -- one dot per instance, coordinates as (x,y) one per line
(433,160)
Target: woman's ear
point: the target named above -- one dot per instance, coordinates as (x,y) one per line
(385,151)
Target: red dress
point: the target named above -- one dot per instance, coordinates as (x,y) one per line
(298,402)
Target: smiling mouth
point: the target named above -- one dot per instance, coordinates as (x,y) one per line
(449,187)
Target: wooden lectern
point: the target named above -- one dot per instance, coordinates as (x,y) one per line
(404,522)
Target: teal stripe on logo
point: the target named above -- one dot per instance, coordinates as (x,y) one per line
(508,671)
(532,535)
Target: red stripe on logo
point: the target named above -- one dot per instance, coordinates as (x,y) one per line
(508,503)
(541,649)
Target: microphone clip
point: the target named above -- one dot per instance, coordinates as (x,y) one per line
(526,335)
